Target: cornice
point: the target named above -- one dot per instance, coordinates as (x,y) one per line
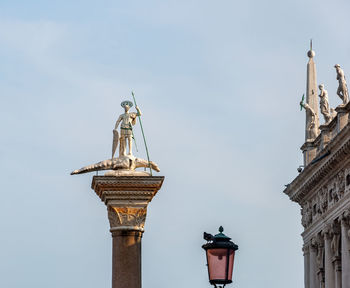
(308,179)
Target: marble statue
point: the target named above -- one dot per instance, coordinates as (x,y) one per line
(311,129)
(324,105)
(342,91)
(125,164)
(127,120)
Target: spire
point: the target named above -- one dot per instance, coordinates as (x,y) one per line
(311,91)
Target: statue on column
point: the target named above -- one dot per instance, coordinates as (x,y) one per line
(126,163)
(342,91)
(324,105)
(311,129)
(127,120)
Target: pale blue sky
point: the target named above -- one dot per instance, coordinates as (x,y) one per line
(218,83)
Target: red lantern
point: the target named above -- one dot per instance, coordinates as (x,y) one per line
(220,257)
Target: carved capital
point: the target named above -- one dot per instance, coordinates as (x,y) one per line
(327,232)
(306,249)
(314,245)
(126,198)
(345,217)
(127,218)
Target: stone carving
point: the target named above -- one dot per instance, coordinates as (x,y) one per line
(311,129)
(335,243)
(333,113)
(342,91)
(325,198)
(306,213)
(306,249)
(127,216)
(341,183)
(123,163)
(319,251)
(127,120)
(324,105)
(126,163)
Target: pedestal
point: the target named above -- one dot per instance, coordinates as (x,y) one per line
(325,135)
(342,117)
(309,152)
(126,198)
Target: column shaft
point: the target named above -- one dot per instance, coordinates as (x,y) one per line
(306,250)
(337,268)
(345,256)
(329,269)
(126,259)
(313,267)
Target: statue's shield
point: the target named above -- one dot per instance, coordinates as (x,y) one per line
(115,142)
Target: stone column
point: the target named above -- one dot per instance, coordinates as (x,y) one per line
(336,253)
(337,268)
(320,266)
(126,198)
(306,250)
(345,251)
(313,265)
(328,263)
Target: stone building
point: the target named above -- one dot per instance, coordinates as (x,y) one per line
(322,189)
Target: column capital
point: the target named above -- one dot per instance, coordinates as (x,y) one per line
(306,249)
(126,198)
(314,244)
(327,232)
(126,218)
(345,217)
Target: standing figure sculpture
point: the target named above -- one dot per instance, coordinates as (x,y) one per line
(311,129)
(324,105)
(127,120)
(342,91)
(126,163)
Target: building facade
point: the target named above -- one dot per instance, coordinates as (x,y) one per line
(322,188)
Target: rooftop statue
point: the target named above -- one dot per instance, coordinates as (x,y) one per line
(324,105)
(311,129)
(125,164)
(342,91)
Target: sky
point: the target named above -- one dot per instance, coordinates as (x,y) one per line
(219,85)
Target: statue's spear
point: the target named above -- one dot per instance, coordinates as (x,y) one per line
(143,134)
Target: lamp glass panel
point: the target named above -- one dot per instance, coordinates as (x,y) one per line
(230,264)
(217,263)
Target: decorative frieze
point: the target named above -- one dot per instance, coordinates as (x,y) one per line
(324,199)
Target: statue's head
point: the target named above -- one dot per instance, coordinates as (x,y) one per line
(336,66)
(126,105)
(321,86)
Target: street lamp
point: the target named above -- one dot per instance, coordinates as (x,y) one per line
(220,253)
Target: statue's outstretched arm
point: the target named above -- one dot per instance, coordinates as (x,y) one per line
(138,111)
